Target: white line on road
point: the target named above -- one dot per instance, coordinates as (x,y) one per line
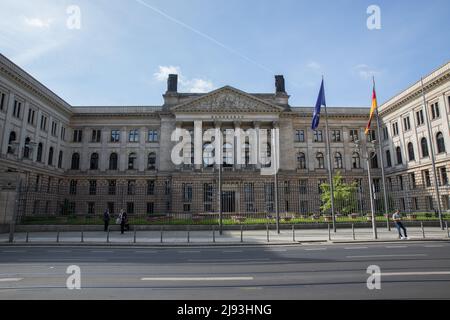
(434,246)
(200,279)
(231,251)
(356,248)
(389,256)
(10,279)
(150,251)
(101,251)
(431,273)
(226,260)
(275,250)
(14,251)
(396,247)
(59,251)
(188,251)
(316,249)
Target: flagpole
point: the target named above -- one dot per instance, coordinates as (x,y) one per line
(330,174)
(433,160)
(383,177)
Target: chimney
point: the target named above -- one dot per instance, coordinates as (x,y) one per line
(172,83)
(279,85)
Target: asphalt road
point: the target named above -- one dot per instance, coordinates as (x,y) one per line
(409,270)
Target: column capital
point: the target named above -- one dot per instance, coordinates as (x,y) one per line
(276,124)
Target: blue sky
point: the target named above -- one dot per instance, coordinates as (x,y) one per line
(124,48)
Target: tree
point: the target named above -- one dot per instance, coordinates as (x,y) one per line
(345,200)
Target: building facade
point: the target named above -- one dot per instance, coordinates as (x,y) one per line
(59,159)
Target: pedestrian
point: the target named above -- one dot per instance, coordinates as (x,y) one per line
(106,218)
(123,221)
(397,218)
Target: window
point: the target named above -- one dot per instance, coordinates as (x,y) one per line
(38,183)
(63,133)
(50,156)
(75,162)
(54,128)
(301,160)
(131,189)
(26,149)
(94,161)
(400,182)
(420,118)
(115,136)
(39,152)
(2,101)
(133,135)
(77,135)
(73,187)
(167,187)
(113,160)
(444,177)
(132,161)
(209,154)
(373,160)
(371,136)
(354,135)
(112,187)
(406,124)
(17,108)
(338,160)
(130,208)
(320,183)
(152,135)
(395,129)
(356,161)
(110,206)
(303,186)
(150,207)
(187,192)
(426,178)
(385,133)
(299,135)
(151,161)
(92,187)
(376,185)
(60,159)
(11,140)
(440,142)
(435,112)
(388,159)
(318,136)
(96,135)
(31,116)
(249,197)
(411,152)
(398,152)
(208,192)
(150,187)
(424,147)
(43,123)
(269,196)
(91,207)
(320,161)
(336,135)
(412,179)
(228,155)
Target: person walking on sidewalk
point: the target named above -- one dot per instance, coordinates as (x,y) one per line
(106,218)
(397,218)
(123,221)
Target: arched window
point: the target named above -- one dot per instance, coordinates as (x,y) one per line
(228,155)
(12,138)
(50,156)
(424,147)
(26,149)
(94,161)
(60,159)
(388,159)
(411,152)
(440,142)
(373,160)
(246,154)
(301,160)
(356,161)
(132,161)
(320,160)
(39,152)
(398,152)
(75,165)
(151,161)
(338,160)
(208,154)
(113,161)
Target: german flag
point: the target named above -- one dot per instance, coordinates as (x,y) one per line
(372,110)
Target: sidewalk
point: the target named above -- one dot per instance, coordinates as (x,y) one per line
(228,237)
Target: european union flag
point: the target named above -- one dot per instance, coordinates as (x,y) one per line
(319,104)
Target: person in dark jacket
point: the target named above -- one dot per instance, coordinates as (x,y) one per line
(123,222)
(106,218)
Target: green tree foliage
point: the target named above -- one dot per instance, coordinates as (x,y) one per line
(345,197)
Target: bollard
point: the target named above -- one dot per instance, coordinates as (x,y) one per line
(82,237)
(423,230)
(26,239)
(267,227)
(161,240)
(214,234)
(134,237)
(57,237)
(242,233)
(293,233)
(107,236)
(353,231)
(446,227)
(329,233)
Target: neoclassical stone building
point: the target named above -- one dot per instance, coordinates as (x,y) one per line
(60,159)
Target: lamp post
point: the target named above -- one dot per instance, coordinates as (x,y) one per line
(371,146)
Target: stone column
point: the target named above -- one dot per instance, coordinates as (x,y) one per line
(238,145)
(256,126)
(198,145)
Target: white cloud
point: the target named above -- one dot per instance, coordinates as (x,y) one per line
(38,23)
(314,65)
(194,85)
(366,72)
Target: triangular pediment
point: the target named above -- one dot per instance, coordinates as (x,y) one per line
(227,100)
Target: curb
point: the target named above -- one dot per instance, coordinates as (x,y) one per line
(391,241)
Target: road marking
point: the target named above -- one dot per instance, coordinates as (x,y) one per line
(141,251)
(199,279)
(396,247)
(356,248)
(10,279)
(389,256)
(316,249)
(434,246)
(188,251)
(275,250)
(59,251)
(431,273)
(14,251)
(101,251)
(226,260)
(231,251)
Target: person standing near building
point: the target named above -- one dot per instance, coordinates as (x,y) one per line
(123,221)
(106,218)
(397,218)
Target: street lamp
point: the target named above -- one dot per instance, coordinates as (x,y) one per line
(370,153)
